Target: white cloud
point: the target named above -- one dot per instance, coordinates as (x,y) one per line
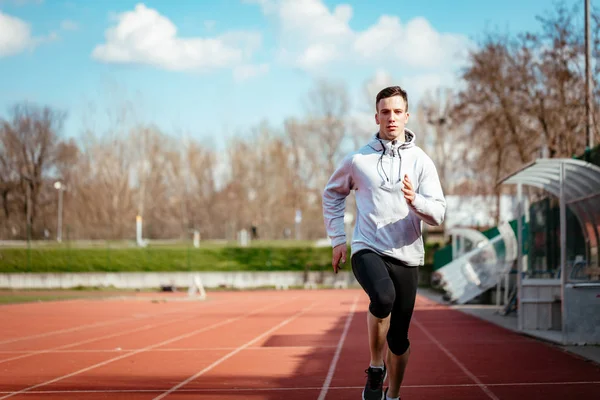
(411,53)
(145,36)
(416,44)
(68,25)
(15,36)
(244,72)
(312,36)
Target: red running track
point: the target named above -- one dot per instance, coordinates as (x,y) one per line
(266,345)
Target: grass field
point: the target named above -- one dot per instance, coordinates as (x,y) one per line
(167,256)
(162,258)
(174,243)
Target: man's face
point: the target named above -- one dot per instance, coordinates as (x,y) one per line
(391,117)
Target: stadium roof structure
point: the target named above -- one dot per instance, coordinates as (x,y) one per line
(577,185)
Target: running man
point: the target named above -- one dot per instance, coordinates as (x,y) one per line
(397,187)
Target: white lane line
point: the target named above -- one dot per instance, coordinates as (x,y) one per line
(216,325)
(234,352)
(88,326)
(315,388)
(338,351)
(453,358)
(172,349)
(60,349)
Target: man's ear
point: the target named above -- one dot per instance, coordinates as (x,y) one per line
(376,118)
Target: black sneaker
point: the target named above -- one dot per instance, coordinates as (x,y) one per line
(374,387)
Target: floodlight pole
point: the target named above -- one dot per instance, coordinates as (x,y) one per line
(588,79)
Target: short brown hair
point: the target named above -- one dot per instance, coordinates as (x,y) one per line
(391,91)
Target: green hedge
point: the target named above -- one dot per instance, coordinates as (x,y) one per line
(167,259)
(162,259)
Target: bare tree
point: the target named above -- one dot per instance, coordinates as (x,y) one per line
(31,152)
(201,190)
(325,126)
(442,137)
(556,88)
(302,160)
(9,177)
(523,96)
(101,190)
(532,88)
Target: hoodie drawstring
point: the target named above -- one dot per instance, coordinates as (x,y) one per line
(380,162)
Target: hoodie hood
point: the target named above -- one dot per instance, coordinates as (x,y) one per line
(378,144)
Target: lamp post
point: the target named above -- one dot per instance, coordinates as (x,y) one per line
(60,187)
(588,80)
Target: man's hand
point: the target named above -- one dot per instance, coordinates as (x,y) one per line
(339,255)
(409,192)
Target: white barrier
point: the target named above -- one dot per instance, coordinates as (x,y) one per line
(145,280)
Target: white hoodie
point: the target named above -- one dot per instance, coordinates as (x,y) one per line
(385,222)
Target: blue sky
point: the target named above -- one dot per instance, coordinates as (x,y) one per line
(215,68)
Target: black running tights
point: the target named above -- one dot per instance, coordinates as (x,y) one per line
(392,287)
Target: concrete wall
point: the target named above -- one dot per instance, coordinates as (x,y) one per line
(541,304)
(582,309)
(146,280)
